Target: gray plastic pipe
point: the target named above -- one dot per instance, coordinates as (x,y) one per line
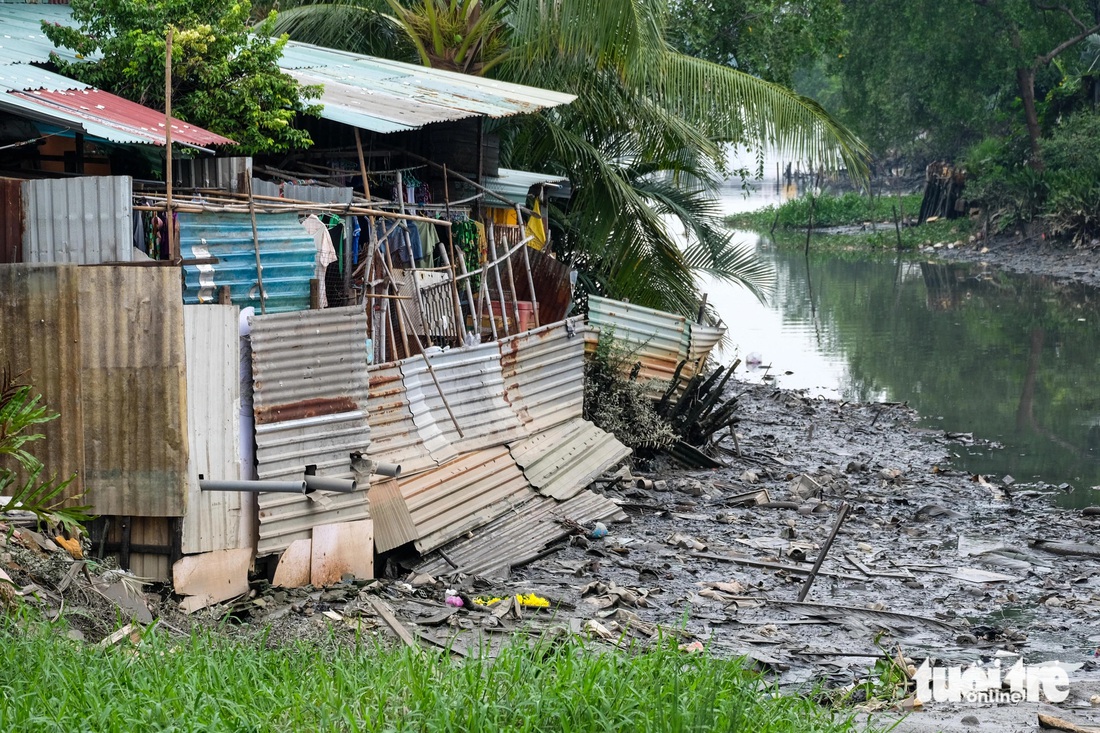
(282,487)
(323,483)
(388,469)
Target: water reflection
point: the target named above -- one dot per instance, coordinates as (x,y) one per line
(1012,359)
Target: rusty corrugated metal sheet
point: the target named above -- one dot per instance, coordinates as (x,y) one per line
(121,120)
(395,437)
(40,344)
(215,520)
(565,459)
(309,371)
(85,220)
(390,96)
(543,373)
(132,390)
(463,495)
(518,537)
(11,220)
(472,381)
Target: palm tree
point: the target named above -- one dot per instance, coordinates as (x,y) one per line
(643,142)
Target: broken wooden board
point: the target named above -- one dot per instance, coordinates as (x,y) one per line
(386,613)
(1049,722)
(342,549)
(393,522)
(293,570)
(211,577)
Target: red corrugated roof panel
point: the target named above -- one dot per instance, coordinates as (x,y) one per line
(122,114)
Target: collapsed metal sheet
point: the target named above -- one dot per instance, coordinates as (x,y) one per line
(703,339)
(215,520)
(565,459)
(309,371)
(543,374)
(463,495)
(656,339)
(473,384)
(133,391)
(395,437)
(521,536)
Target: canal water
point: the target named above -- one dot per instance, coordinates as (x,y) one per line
(1013,360)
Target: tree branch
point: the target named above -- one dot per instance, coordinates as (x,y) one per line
(1047,58)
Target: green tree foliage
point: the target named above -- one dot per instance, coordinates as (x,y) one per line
(643,142)
(767,38)
(931,78)
(225,74)
(21,473)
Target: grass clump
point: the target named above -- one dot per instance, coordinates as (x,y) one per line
(211,683)
(617,402)
(828,211)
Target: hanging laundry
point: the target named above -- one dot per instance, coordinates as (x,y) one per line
(326,253)
(536,228)
(429,238)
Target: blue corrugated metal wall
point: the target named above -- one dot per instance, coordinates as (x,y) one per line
(287,256)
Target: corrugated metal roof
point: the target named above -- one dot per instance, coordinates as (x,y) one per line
(462,495)
(520,536)
(40,342)
(389,96)
(48,97)
(21,38)
(287,254)
(514,185)
(131,119)
(543,372)
(563,460)
(85,220)
(309,372)
(132,391)
(215,520)
(395,437)
(472,381)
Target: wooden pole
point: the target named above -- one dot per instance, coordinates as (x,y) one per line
(824,551)
(530,276)
(173,252)
(255,242)
(500,285)
(362,164)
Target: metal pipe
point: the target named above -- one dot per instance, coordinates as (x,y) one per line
(282,487)
(325,483)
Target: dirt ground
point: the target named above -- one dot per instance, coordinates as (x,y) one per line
(929,563)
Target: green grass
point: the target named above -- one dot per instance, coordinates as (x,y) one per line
(851,209)
(829,211)
(211,682)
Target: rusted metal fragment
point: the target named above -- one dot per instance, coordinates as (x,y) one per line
(305,408)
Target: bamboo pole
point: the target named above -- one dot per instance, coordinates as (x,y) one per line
(512,285)
(256,242)
(173,253)
(530,275)
(362,164)
(500,285)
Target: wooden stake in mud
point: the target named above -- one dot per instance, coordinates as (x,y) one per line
(824,551)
